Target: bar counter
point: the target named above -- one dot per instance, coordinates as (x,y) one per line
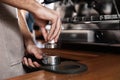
(101,66)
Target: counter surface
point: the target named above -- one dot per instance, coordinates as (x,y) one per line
(101,66)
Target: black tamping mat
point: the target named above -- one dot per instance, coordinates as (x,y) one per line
(66,67)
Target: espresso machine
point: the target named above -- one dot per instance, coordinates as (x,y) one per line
(89,21)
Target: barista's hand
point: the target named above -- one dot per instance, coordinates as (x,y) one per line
(44,15)
(33,51)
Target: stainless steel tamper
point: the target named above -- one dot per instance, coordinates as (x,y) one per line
(50,44)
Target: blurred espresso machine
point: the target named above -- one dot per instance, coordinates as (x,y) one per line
(89,21)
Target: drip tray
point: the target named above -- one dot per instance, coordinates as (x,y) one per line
(66,67)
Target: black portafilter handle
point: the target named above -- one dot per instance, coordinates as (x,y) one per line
(50,1)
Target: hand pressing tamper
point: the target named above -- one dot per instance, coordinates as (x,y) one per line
(50,44)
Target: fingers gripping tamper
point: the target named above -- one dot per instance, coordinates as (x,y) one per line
(52,43)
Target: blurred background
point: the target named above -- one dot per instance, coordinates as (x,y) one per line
(91,22)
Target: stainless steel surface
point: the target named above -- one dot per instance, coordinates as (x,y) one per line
(51,60)
(51,45)
(77,36)
(93,19)
(100,17)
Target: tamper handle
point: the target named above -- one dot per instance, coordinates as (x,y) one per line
(50,44)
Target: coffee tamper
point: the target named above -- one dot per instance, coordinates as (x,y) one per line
(50,44)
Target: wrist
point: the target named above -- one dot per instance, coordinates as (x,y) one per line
(34,7)
(29,43)
(29,46)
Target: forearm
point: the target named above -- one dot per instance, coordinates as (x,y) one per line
(28,40)
(29,5)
